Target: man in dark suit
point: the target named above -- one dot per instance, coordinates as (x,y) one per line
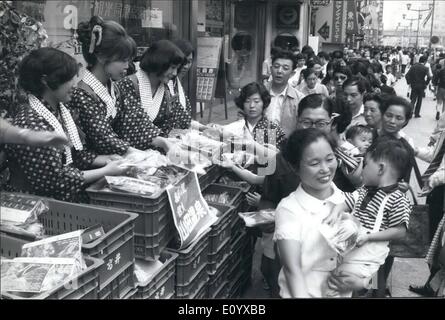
(418,78)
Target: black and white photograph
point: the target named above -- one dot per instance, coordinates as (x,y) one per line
(233,154)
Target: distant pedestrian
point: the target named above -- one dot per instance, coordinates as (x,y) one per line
(418,78)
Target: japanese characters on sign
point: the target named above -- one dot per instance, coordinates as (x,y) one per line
(337,23)
(191,213)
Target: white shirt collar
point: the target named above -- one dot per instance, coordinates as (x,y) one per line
(360,113)
(282,93)
(309,202)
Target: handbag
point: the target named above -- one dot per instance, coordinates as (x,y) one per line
(417,240)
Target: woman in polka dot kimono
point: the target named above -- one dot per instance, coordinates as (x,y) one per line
(48,76)
(147,91)
(110,126)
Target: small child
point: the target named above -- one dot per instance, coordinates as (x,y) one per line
(390,79)
(382,209)
(359,138)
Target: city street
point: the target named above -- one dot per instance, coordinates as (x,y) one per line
(404,271)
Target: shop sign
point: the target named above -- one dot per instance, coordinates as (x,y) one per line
(337,22)
(288,16)
(351,18)
(320,3)
(191,213)
(152,18)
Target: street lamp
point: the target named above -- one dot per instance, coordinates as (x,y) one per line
(430,8)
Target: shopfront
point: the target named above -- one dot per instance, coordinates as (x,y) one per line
(246,29)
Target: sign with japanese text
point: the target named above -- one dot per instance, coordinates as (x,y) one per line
(191,213)
(338,21)
(351,18)
(320,3)
(322,20)
(209,53)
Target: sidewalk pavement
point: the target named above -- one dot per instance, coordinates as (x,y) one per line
(405,271)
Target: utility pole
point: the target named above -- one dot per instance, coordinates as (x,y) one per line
(432,22)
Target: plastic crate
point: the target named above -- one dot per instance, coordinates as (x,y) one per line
(213,173)
(191,260)
(219,279)
(237,226)
(235,194)
(131,294)
(162,284)
(222,292)
(115,247)
(238,286)
(215,261)
(154,214)
(202,293)
(220,231)
(237,247)
(120,286)
(150,247)
(83,286)
(192,288)
(237,182)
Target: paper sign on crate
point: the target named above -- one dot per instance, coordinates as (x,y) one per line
(191,213)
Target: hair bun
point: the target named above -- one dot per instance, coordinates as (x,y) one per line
(84,29)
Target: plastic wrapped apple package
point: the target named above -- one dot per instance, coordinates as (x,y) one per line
(256,218)
(342,235)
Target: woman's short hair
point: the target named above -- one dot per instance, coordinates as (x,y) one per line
(343,70)
(186,48)
(161,56)
(315,101)
(374,97)
(307,72)
(398,101)
(250,89)
(299,140)
(115,43)
(52,65)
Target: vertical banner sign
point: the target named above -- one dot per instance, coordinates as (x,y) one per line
(323,21)
(190,211)
(209,52)
(337,22)
(351,18)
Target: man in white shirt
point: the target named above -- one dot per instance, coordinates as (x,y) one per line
(283,106)
(354,90)
(405,61)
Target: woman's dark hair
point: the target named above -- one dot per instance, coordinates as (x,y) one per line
(307,72)
(343,70)
(376,67)
(115,44)
(360,66)
(250,89)
(286,42)
(186,48)
(299,140)
(374,97)
(398,101)
(285,54)
(52,65)
(160,57)
(327,78)
(315,101)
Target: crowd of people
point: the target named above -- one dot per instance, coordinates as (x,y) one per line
(331,123)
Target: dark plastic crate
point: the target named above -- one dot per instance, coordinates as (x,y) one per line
(191,260)
(162,284)
(119,287)
(219,279)
(131,294)
(220,231)
(237,247)
(235,194)
(192,288)
(84,286)
(222,292)
(235,181)
(115,247)
(212,174)
(150,247)
(154,214)
(237,225)
(215,261)
(202,293)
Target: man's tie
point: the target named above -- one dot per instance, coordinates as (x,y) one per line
(434,165)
